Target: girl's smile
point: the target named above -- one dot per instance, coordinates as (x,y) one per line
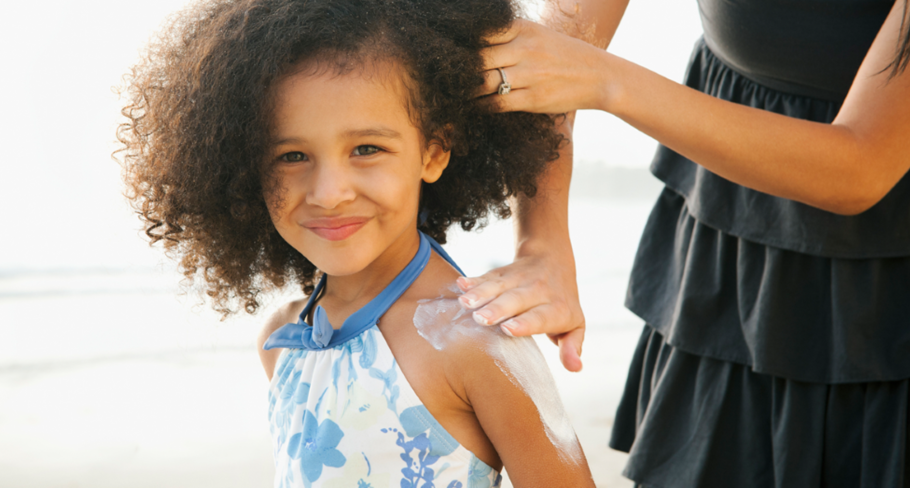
(349,163)
(335,228)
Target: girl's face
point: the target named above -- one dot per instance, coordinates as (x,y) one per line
(349,164)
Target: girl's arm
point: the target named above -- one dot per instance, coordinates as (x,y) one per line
(512,393)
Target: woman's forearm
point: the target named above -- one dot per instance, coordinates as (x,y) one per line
(804,161)
(542,222)
(538,292)
(595,21)
(845,167)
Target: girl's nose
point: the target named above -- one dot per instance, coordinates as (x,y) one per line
(330,186)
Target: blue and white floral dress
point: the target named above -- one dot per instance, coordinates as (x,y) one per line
(342,414)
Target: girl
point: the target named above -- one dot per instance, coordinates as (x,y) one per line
(329,144)
(774,269)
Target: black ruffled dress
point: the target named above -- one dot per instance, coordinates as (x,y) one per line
(777,350)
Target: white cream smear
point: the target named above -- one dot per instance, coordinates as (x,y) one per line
(443,321)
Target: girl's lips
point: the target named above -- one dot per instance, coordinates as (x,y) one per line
(336,229)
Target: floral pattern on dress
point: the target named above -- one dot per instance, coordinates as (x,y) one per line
(316,446)
(346,416)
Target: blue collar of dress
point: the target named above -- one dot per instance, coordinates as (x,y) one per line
(321,335)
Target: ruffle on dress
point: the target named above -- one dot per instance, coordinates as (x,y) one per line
(777,353)
(778,312)
(692,421)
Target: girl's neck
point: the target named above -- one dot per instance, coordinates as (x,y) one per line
(345,295)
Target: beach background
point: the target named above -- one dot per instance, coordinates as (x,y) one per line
(109,377)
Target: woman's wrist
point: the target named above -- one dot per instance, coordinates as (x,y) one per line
(553,244)
(542,229)
(612,76)
(543,220)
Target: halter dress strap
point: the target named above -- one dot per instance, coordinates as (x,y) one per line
(321,335)
(442,253)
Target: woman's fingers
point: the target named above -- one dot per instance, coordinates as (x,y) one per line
(537,294)
(570,349)
(537,320)
(482,290)
(504,55)
(503,51)
(507,35)
(547,318)
(503,293)
(518,297)
(519,100)
(549,71)
(492,79)
(508,304)
(519,97)
(530,322)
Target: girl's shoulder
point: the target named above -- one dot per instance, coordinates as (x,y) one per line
(493,393)
(285,314)
(435,364)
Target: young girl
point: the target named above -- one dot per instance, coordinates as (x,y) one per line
(330,144)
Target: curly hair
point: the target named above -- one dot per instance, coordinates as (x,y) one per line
(199,124)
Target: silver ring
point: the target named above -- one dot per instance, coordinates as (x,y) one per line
(505,87)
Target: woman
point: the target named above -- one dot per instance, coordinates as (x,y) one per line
(774,269)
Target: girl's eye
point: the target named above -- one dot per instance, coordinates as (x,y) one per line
(293,157)
(365,150)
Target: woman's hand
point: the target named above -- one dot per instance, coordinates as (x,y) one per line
(535,294)
(549,72)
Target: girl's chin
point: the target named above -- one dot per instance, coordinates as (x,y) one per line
(340,267)
(338,259)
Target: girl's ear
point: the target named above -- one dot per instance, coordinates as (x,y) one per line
(436,160)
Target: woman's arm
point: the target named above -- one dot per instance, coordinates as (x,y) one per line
(539,290)
(844,167)
(541,282)
(594,21)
